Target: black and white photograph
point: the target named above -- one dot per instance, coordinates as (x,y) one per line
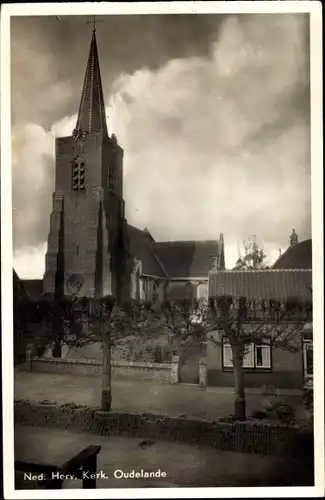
(162,255)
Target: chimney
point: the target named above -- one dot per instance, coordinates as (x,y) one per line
(293,238)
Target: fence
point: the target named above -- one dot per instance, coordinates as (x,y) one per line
(244,437)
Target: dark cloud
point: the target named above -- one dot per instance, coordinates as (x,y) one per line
(212,112)
(49,55)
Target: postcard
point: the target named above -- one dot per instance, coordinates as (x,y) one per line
(162,249)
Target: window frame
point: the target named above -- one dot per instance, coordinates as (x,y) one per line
(307,344)
(255,367)
(78,163)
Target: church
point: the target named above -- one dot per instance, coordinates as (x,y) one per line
(92,250)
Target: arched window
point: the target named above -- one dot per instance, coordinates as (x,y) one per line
(202,291)
(78,174)
(112,175)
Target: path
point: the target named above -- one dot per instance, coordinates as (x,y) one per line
(184,465)
(133,395)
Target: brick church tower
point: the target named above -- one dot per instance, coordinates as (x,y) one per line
(87,243)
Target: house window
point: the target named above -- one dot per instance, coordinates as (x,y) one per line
(227,356)
(262,356)
(78,174)
(258,356)
(308,359)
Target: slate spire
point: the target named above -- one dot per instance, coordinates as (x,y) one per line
(91,115)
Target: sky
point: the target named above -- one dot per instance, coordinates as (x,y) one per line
(212,112)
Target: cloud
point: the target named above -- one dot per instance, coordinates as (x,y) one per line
(197,158)
(217,143)
(29,261)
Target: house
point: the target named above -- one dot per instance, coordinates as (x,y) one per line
(264,365)
(298,255)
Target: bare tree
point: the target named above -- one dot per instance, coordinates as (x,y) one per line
(46,322)
(254,257)
(82,320)
(238,322)
(112,324)
(186,322)
(243,322)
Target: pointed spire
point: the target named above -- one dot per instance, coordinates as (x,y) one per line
(91,116)
(218,262)
(222,253)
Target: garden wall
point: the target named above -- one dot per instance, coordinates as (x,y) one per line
(244,437)
(159,372)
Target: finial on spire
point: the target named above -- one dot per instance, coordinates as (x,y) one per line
(93,21)
(91,115)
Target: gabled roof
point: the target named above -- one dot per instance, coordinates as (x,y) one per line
(298,256)
(175,259)
(262,284)
(183,259)
(91,115)
(140,247)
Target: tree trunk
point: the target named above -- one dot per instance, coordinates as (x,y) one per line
(239,383)
(106,381)
(57,349)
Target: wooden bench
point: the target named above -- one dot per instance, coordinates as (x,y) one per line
(81,466)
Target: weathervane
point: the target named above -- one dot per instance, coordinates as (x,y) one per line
(93,21)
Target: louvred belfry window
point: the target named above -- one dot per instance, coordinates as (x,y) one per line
(78,174)
(111,176)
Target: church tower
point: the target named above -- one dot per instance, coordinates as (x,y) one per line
(87,243)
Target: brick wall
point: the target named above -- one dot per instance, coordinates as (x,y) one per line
(244,437)
(122,369)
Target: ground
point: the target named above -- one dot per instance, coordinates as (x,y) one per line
(136,395)
(185,465)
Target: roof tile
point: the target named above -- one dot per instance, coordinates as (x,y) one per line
(298,256)
(187,258)
(140,247)
(262,284)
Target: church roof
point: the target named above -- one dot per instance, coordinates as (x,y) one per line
(263,284)
(184,259)
(298,256)
(91,115)
(174,259)
(140,247)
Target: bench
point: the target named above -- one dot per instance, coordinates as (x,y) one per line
(81,466)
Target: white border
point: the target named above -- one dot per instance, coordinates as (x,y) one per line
(312,7)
